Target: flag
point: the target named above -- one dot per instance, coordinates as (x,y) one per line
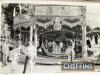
(14,12)
(20,8)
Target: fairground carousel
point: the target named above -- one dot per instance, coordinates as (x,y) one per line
(51,27)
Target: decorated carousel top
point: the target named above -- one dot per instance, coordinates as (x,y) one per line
(46,15)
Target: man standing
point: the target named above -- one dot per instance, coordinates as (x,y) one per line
(31,55)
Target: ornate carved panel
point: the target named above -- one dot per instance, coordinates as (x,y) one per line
(51,10)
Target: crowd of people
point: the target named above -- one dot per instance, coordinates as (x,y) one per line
(29,51)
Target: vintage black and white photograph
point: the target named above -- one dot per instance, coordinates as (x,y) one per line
(37,38)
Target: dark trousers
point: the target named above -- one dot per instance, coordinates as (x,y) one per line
(25,64)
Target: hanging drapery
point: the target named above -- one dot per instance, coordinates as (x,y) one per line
(45,25)
(44,21)
(72,21)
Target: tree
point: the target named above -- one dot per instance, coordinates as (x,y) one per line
(8,10)
(5,33)
(88,28)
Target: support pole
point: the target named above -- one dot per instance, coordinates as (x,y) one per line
(35,39)
(31,33)
(84,44)
(14,34)
(20,34)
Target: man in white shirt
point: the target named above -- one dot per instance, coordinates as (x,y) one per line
(31,55)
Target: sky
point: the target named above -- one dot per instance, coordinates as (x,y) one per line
(93,14)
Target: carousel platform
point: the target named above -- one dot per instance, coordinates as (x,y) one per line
(48,60)
(54,60)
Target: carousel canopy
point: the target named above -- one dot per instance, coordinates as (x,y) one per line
(57,15)
(53,20)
